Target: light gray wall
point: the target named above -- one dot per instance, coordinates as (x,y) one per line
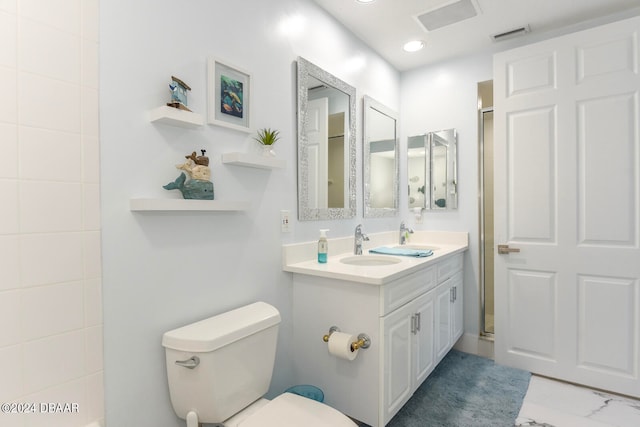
(440,97)
(163,270)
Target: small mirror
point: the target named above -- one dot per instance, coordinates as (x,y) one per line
(326,145)
(437,153)
(380,160)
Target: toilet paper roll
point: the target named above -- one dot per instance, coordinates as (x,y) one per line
(340,345)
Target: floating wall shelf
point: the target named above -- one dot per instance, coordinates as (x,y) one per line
(253,161)
(175,117)
(186,205)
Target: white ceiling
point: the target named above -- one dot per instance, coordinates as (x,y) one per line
(385,25)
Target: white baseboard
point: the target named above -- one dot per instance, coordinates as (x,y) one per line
(475,344)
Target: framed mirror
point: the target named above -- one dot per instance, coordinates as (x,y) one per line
(380,160)
(326,145)
(432,160)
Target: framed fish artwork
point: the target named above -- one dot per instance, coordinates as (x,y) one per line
(228,96)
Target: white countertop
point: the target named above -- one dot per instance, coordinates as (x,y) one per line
(301,258)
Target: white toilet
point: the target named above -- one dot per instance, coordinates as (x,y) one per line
(219,368)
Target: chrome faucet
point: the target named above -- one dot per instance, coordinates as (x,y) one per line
(358,239)
(404,230)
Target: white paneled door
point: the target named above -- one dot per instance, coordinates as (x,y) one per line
(567,207)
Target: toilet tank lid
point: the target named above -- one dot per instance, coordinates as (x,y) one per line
(217,331)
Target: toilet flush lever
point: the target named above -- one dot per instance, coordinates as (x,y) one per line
(189,363)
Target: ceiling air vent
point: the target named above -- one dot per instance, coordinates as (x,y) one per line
(515,32)
(446,15)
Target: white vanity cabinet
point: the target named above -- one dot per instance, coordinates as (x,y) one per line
(408,347)
(448,305)
(413,321)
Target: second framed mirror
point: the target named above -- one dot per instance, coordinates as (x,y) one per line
(380,159)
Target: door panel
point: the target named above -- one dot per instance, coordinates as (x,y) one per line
(529,294)
(531,174)
(607,152)
(443,319)
(318,133)
(599,332)
(424,344)
(397,328)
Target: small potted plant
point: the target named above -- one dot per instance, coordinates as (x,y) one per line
(267,137)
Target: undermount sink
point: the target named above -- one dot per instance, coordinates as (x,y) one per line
(419,247)
(370,260)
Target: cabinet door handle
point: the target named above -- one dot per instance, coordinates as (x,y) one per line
(413,324)
(451,296)
(418,321)
(455,293)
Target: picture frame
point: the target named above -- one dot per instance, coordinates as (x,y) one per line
(228,96)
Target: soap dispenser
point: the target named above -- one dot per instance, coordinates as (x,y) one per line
(323,247)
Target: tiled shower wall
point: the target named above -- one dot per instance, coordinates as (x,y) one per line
(50,267)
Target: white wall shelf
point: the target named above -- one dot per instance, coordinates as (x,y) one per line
(175,117)
(186,205)
(252,161)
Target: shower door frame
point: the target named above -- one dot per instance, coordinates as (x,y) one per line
(481,219)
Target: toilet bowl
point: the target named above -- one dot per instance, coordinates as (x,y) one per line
(289,410)
(220,368)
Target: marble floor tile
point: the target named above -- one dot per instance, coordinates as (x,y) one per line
(552,403)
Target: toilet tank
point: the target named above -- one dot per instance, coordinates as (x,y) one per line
(235,354)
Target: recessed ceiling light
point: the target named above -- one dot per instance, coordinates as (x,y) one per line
(413,46)
(365,1)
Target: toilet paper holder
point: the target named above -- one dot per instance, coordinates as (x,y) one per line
(363,339)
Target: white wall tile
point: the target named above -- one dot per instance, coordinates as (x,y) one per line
(92,255)
(10,318)
(50,155)
(13,420)
(47,53)
(53,360)
(8,36)
(90,112)
(49,103)
(93,302)
(11,367)
(91,211)
(95,396)
(71,392)
(93,343)
(50,258)
(9,6)
(9,206)
(90,159)
(90,19)
(8,150)
(90,64)
(52,309)
(9,262)
(50,52)
(50,206)
(9,104)
(62,14)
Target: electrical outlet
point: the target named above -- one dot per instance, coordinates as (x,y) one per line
(284,221)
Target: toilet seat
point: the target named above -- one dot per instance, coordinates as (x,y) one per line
(291,410)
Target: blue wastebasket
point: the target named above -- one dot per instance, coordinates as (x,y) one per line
(306,390)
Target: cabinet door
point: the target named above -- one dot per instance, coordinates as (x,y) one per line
(457,314)
(397,381)
(443,319)
(424,338)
